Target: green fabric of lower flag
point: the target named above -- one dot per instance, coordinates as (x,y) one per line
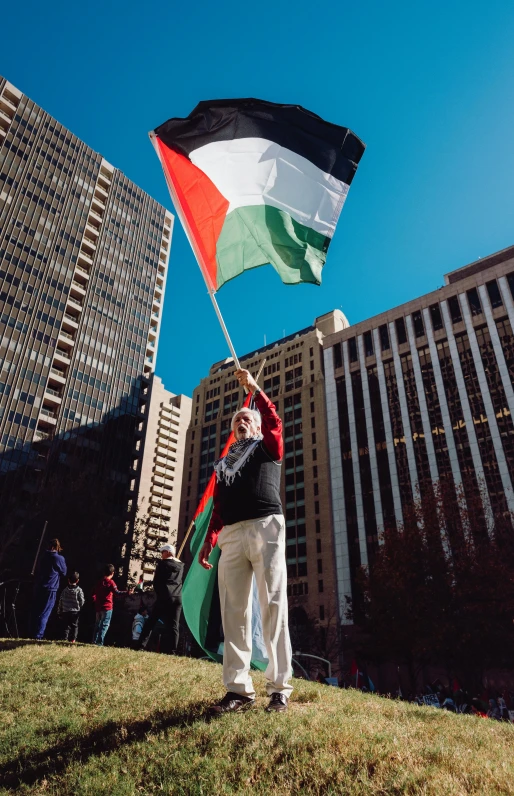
(199,585)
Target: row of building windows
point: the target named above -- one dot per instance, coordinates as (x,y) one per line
(455,310)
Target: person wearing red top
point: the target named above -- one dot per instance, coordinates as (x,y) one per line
(103,597)
(248,525)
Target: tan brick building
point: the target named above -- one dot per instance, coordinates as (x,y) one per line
(293,378)
(160,481)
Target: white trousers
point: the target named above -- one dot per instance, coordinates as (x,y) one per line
(247,548)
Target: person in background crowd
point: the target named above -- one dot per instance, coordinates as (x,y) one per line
(137,625)
(103,600)
(51,566)
(71,601)
(494,711)
(167,584)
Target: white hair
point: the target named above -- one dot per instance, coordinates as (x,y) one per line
(256,416)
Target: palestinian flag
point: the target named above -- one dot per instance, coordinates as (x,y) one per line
(254,182)
(200,597)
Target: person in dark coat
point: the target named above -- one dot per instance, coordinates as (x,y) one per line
(167,584)
(51,567)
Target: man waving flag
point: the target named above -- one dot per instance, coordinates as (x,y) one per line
(257,182)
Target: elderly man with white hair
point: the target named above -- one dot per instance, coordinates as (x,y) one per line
(248,524)
(167,584)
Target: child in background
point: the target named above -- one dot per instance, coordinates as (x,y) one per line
(103,599)
(138,624)
(72,600)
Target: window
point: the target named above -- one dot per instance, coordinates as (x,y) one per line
(320,566)
(417,320)
(401,332)
(474,302)
(454,307)
(384,337)
(320,588)
(510,280)
(368,344)
(318,546)
(436,317)
(494,294)
(322,612)
(318,526)
(352,349)
(316,489)
(338,356)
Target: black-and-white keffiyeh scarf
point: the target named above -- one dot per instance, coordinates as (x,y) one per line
(238,454)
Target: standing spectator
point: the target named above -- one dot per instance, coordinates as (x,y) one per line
(167,584)
(103,596)
(52,565)
(72,600)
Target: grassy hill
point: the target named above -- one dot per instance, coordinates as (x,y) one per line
(85,720)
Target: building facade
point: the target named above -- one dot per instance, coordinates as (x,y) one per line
(417,397)
(293,378)
(162,461)
(83,261)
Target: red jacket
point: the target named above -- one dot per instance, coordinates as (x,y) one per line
(271,430)
(103,594)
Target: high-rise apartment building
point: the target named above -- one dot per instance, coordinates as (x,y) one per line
(417,396)
(162,460)
(293,378)
(83,261)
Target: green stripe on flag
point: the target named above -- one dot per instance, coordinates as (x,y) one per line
(259,234)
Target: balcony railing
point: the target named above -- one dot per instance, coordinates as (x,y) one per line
(57,372)
(75,299)
(69,317)
(48,412)
(41,435)
(82,270)
(66,334)
(53,392)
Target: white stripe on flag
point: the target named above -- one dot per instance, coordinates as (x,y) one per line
(254,171)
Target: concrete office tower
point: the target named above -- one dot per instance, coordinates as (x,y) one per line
(419,395)
(160,483)
(293,378)
(83,261)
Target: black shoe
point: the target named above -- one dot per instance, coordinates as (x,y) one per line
(231,703)
(277,703)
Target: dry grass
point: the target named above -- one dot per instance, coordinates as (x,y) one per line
(85,720)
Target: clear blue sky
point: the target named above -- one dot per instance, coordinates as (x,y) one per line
(428,86)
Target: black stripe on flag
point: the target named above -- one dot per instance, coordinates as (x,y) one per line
(334,149)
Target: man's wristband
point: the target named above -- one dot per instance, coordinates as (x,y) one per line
(257,391)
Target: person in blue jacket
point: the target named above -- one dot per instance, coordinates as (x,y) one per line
(52,565)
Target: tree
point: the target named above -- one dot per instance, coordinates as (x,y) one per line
(440,589)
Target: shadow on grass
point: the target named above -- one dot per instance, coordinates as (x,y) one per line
(30,766)
(7,644)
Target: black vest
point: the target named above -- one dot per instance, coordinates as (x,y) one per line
(255,491)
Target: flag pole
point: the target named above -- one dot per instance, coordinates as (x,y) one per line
(196,251)
(224,329)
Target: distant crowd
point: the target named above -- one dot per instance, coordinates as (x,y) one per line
(164,615)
